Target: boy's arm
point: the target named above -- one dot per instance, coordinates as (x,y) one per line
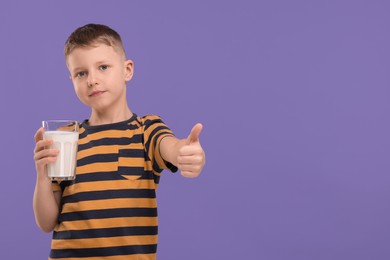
(186,154)
(46,203)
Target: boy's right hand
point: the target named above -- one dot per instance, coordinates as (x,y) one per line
(43,156)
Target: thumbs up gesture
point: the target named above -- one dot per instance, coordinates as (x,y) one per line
(191,157)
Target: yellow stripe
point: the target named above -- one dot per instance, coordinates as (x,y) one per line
(55,187)
(131,162)
(104,149)
(97,167)
(108,185)
(109,204)
(104,242)
(149,167)
(123,257)
(113,166)
(107,223)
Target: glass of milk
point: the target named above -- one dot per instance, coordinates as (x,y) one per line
(65,135)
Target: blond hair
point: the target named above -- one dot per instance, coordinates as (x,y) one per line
(90,34)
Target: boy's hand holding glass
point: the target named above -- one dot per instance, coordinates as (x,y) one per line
(56,149)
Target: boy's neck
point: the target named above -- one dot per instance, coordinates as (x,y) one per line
(110,117)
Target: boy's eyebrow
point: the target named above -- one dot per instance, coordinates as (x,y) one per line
(77,69)
(97,63)
(102,62)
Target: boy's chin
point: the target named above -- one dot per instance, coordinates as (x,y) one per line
(100,108)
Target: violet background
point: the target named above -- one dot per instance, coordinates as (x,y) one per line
(294,98)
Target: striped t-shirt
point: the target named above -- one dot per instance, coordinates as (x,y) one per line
(109,211)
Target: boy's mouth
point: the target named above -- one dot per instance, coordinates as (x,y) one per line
(96,93)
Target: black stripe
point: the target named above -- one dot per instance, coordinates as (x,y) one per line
(156,179)
(106,232)
(109,194)
(109,176)
(131,124)
(149,122)
(64,184)
(83,134)
(132,153)
(148,175)
(111,157)
(101,128)
(108,213)
(98,158)
(169,165)
(103,251)
(99,176)
(137,138)
(155,166)
(131,170)
(157,136)
(153,137)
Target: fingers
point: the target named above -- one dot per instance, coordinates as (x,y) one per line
(40,145)
(190,168)
(195,159)
(39,134)
(190,165)
(191,161)
(191,157)
(43,158)
(188,174)
(190,150)
(195,132)
(45,154)
(44,161)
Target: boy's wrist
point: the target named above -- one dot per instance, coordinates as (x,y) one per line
(42,178)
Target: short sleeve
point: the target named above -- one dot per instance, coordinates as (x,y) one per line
(154,131)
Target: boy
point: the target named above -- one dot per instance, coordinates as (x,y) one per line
(109,211)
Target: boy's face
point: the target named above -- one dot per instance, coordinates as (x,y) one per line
(99,76)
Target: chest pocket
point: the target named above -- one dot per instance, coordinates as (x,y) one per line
(131,163)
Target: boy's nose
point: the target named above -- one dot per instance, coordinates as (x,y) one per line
(92,81)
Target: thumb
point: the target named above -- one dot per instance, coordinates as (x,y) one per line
(195,132)
(39,135)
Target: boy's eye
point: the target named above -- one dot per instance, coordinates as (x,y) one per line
(80,74)
(103,67)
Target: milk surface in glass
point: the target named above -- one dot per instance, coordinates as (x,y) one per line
(65,165)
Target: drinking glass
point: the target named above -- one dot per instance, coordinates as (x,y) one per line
(65,136)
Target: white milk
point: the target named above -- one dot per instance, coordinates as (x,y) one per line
(65,165)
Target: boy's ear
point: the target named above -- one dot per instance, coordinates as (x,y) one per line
(129,70)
